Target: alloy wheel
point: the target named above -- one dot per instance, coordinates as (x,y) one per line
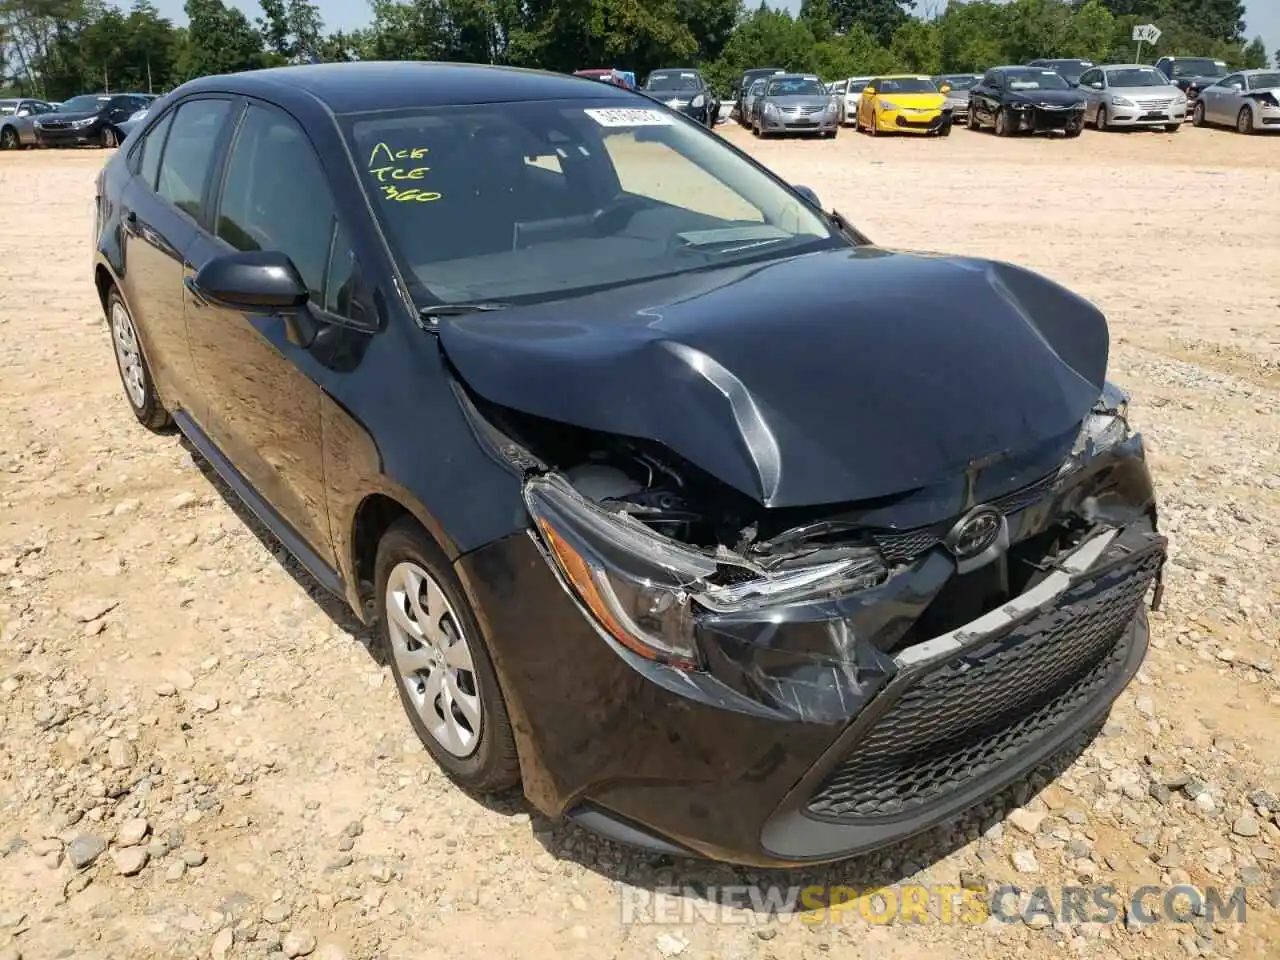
(128,355)
(109,137)
(8,139)
(1100,120)
(433,658)
(1197,115)
(1244,120)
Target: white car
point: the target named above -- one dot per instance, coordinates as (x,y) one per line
(847,93)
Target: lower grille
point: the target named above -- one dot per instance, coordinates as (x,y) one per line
(959,721)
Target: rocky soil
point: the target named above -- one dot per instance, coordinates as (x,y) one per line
(199,757)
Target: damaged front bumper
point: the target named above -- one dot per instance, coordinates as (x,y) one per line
(817,728)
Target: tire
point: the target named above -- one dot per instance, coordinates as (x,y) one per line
(1172,127)
(1197,115)
(110,138)
(135,373)
(1244,121)
(1002,123)
(857,127)
(945,129)
(1073,132)
(873,127)
(1100,119)
(477,751)
(9,139)
(971,121)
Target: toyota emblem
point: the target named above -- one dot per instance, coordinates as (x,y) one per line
(976,531)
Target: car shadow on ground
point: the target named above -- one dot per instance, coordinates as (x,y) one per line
(653,872)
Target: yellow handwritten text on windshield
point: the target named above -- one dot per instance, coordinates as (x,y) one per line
(395,171)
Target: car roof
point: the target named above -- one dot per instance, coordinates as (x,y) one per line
(902,76)
(393,84)
(1256,70)
(674,70)
(1125,66)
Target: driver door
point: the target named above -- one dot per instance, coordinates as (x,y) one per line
(262,409)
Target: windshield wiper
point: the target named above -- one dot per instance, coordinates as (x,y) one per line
(435,312)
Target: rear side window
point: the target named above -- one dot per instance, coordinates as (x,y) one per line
(275,196)
(188,153)
(151,148)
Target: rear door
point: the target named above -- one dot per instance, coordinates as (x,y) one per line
(162,208)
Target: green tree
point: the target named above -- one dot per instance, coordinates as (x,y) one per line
(220,39)
(1091,32)
(880,18)
(916,46)
(1255,54)
(971,35)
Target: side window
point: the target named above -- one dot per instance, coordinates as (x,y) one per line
(151,148)
(1090,77)
(275,196)
(344,290)
(188,152)
(989,79)
(1232,80)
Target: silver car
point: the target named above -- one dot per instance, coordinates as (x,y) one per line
(794,103)
(1131,95)
(958,95)
(17,118)
(1248,100)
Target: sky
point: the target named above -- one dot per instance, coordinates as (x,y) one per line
(1261,16)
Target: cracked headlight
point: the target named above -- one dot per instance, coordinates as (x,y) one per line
(1106,425)
(642,590)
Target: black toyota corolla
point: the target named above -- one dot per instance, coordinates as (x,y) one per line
(676,500)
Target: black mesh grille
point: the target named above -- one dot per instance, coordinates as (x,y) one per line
(900,547)
(962,719)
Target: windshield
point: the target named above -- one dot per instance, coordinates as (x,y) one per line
(961,83)
(539,199)
(795,87)
(673,81)
(83,104)
(906,85)
(1264,81)
(1070,69)
(1136,77)
(1199,67)
(1036,80)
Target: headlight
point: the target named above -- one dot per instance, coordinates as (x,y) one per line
(697,101)
(87,121)
(888,105)
(1122,102)
(644,591)
(770,109)
(1106,425)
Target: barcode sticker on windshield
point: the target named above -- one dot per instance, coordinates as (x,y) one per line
(627,117)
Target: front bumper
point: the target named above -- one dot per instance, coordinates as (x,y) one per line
(807,740)
(1266,115)
(913,121)
(1146,115)
(1038,119)
(797,123)
(69,137)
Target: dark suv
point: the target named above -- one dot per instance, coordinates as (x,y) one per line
(92,119)
(484,348)
(1192,74)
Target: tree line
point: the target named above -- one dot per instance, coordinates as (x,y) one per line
(59,48)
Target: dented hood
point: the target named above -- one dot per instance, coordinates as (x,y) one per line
(836,376)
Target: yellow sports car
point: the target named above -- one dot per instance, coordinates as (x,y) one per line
(903,104)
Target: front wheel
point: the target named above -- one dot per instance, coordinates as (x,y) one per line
(972,120)
(1002,123)
(1244,121)
(1172,127)
(945,129)
(1100,119)
(440,663)
(1197,115)
(873,127)
(110,138)
(9,139)
(1073,132)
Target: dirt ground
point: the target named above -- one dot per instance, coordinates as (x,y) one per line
(199,758)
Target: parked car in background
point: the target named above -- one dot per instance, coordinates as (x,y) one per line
(17,121)
(1191,75)
(1071,70)
(1025,99)
(618,78)
(794,103)
(748,79)
(749,99)
(1132,95)
(91,119)
(847,93)
(957,94)
(684,89)
(903,103)
(1248,100)
(874,547)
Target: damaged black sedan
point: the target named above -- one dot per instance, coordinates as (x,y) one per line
(718,528)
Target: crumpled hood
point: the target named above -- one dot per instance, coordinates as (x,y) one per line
(835,376)
(1050,98)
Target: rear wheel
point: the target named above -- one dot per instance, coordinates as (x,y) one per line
(438,657)
(135,374)
(1244,121)
(9,139)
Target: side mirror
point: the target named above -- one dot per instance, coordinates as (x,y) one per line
(810,197)
(24,112)
(255,281)
(1237,87)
